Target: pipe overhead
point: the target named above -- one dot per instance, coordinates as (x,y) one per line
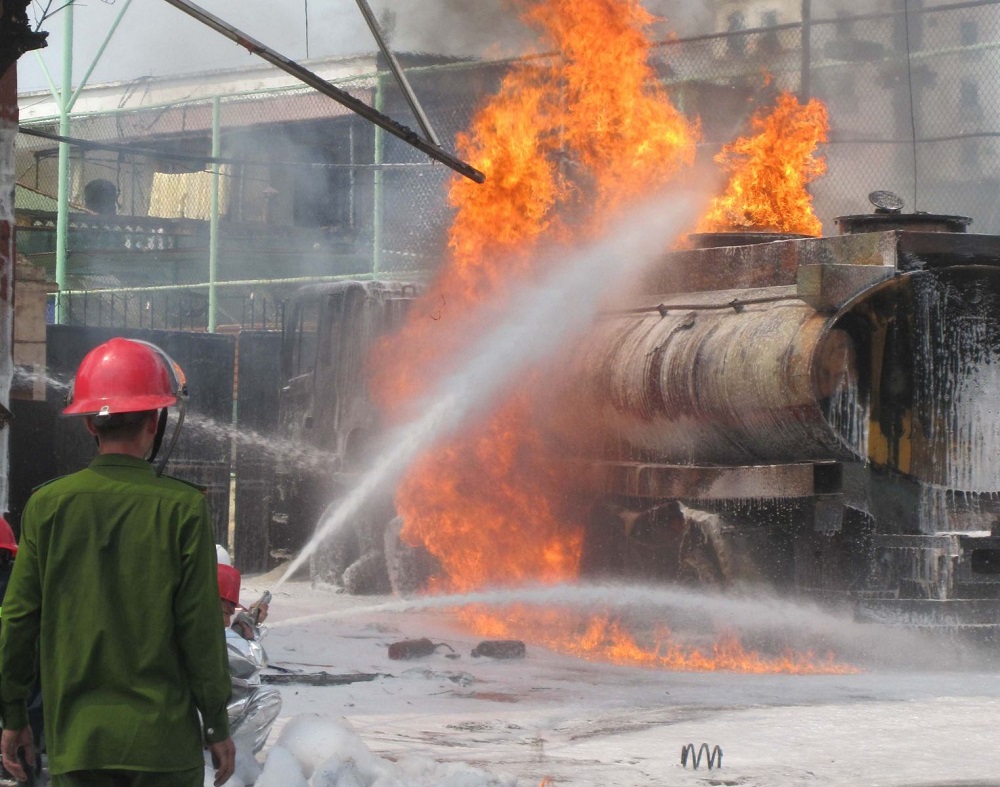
(316,82)
(397,71)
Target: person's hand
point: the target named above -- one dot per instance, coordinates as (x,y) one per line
(10,742)
(243,626)
(223,759)
(262,608)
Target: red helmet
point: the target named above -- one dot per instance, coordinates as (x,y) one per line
(229,583)
(125,376)
(7,540)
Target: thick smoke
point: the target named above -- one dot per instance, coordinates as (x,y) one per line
(463,28)
(492,28)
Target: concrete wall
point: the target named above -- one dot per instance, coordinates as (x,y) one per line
(29,328)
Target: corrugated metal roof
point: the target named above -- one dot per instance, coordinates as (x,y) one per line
(27,198)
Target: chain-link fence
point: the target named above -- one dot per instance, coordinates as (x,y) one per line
(307,190)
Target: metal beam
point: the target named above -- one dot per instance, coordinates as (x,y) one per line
(213,226)
(397,71)
(99,55)
(62,204)
(316,82)
(199,162)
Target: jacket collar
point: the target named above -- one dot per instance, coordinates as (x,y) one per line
(121,460)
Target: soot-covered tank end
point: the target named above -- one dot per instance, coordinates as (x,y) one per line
(928,349)
(928,346)
(829,404)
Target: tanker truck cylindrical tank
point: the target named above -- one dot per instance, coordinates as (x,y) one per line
(744,385)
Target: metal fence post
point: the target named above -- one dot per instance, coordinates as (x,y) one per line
(377,195)
(805,86)
(62,203)
(213,229)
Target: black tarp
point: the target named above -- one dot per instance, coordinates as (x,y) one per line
(257,418)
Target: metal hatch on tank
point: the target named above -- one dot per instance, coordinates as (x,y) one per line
(888,215)
(818,413)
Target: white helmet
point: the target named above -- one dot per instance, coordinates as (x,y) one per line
(222,555)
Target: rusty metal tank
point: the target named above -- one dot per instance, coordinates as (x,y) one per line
(725,377)
(857,350)
(824,412)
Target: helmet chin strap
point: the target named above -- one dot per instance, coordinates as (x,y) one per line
(161,428)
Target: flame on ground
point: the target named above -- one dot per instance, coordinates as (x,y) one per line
(770,170)
(602,637)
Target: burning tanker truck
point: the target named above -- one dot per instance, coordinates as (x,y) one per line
(816,413)
(819,414)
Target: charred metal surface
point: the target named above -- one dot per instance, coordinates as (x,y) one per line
(914,222)
(936,566)
(678,542)
(500,649)
(729,267)
(329,332)
(817,413)
(704,482)
(714,240)
(961,613)
(828,287)
(777,263)
(937,250)
(259,358)
(724,386)
(416,648)
(922,340)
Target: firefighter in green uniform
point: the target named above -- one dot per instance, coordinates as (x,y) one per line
(114,600)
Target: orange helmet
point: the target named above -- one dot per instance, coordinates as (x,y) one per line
(229,583)
(125,376)
(7,540)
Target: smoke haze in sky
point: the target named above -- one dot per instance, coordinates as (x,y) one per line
(155,39)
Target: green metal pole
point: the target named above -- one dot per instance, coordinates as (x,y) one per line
(48,77)
(62,206)
(213,227)
(66,99)
(377,201)
(100,52)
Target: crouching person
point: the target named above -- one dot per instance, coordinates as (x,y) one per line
(253,707)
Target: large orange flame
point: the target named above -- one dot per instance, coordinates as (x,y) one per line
(770,170)
(568,141)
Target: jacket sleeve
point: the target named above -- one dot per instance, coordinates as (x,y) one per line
(20,629)
(199,630)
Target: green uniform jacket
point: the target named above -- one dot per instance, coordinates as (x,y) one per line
(114,591)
